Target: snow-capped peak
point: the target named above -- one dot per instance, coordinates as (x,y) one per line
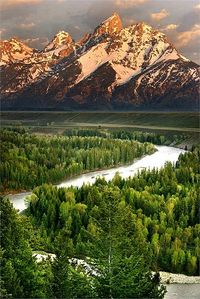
(60,39)
(13,50)
(18,44)
(130,52)
(111,26)
(136,66)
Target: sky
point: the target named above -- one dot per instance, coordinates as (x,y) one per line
(36,21)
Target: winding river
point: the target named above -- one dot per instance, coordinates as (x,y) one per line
(157,160)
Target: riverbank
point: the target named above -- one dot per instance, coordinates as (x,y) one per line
(172,278)
(85,172)
(155,160)
(166,277)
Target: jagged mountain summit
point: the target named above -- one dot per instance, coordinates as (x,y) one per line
(61,45)
(113,68)
(13,50)
(111,26)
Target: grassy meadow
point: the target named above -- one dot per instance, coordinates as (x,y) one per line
(159,120)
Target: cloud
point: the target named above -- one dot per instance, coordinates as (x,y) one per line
(128,21)
(170,27)
(128,3)
(130,11)
(11,3)
(77,27)
(80,16)
(186,37)
(189,19)
(30,40)
(160,15)
(197,6)
(36,42)
(27,26)
(2,32)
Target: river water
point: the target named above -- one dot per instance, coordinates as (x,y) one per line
(157,160)
(183,291)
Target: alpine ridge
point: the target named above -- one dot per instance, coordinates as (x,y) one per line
(112,68)
(111,26)
(13,50)
(61,45)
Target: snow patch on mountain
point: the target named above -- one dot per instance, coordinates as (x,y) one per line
(92,60)
(138,58)
(123,73)
(110,26)
(133,50)
(13,50)
(60,39)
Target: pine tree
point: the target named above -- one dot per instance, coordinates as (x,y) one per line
(19,271)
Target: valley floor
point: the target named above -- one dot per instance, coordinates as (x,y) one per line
(159,122)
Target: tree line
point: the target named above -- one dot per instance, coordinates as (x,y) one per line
(155,138)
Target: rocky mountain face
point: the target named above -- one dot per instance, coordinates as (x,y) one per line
(22,66)
(61,45)
(13,50)
(112,68)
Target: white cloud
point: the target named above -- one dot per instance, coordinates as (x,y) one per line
(129,21)
(128,3)
(2,31)
(186,37)
(27,25)
(31,40)
(170,27)
(77,27)
(160,15)
(197,6)
(22,1)
(10,3)
(45,42)
(36,42)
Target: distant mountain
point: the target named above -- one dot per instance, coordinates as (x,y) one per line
(113,68)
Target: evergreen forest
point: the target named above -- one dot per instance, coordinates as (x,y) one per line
(29,160)
(121,230)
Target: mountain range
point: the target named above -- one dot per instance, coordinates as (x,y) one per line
(113,68)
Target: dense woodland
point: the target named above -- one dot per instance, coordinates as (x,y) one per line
(123,229)
(155,138)
(161,209)
(121,273)
(28,160)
